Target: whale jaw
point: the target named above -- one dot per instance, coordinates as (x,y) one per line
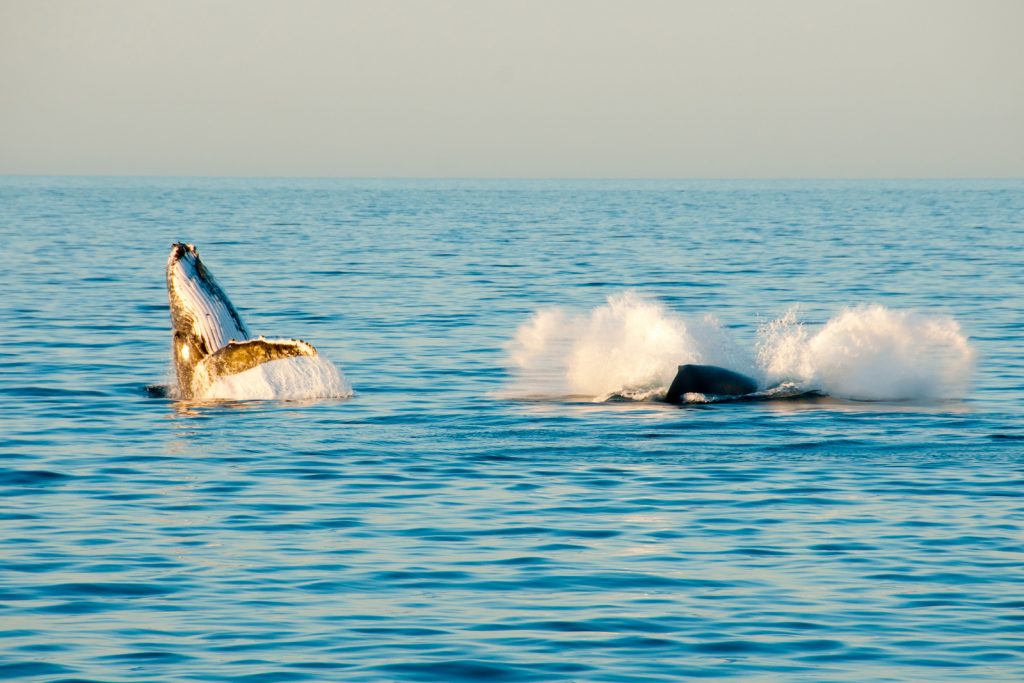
(200,310)
(209,339)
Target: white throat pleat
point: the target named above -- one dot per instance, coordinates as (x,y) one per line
(213,321)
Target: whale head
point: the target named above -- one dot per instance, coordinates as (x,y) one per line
(202,317)
(209,338)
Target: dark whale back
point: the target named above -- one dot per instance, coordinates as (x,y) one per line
(708,379)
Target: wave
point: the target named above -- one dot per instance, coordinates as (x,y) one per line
(631,346)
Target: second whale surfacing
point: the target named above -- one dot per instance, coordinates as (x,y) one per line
(209,338)
(713,384)
(708,379)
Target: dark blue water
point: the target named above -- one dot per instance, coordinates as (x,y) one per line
(435,527)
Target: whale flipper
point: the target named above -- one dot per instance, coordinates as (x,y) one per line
(708,379)
(239,356)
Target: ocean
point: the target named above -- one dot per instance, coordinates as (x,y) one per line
(492,489)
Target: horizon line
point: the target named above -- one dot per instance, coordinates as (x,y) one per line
(157,176)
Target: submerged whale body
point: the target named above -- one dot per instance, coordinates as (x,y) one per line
(209,338)
(708,379)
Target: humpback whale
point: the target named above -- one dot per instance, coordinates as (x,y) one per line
(708,379)
(209,338)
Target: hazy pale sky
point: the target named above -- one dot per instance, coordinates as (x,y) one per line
(524,88)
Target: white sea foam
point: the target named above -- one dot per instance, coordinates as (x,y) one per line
(632,346)
(287,379)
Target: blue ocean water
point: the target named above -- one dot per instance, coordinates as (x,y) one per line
(443,524)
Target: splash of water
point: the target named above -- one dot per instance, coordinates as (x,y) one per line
(287,379)
(870,352)
(631,347)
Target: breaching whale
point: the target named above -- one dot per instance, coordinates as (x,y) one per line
(209,338)
(708,379)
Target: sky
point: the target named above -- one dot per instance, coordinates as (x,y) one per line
(512,89)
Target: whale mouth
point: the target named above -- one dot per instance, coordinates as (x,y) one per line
(183,264)
(180,250)
(202,316)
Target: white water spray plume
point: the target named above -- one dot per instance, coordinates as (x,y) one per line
(631,347)
(287,379)
(870,353)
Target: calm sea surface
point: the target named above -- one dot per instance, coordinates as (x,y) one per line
(433,527)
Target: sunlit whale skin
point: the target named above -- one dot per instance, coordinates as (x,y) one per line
(708,379)
(210,340)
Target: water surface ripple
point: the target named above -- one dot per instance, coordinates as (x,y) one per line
(431,528)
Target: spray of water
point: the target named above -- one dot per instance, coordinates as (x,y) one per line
(631,346)
(870,353)
(288,379)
